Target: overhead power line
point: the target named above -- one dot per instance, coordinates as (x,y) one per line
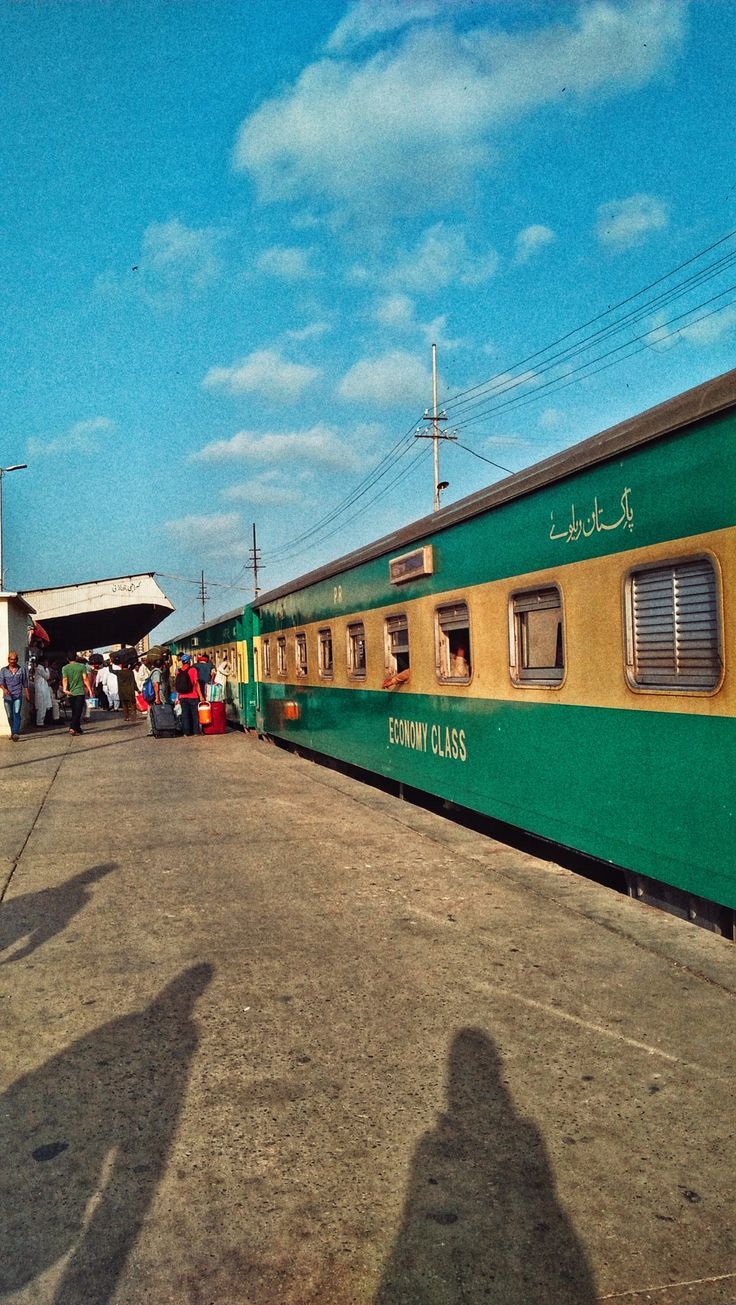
(575,354)
(587,369)
(501,378)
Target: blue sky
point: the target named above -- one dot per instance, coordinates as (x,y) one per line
(232,232)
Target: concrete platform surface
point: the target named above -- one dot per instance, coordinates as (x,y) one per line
(272,1036)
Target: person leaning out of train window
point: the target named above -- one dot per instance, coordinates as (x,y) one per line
(396,678)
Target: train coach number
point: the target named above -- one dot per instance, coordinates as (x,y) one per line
(337,594)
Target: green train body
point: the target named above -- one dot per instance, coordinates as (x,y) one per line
(588,602)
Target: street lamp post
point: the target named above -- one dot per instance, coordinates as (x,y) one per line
(19,466)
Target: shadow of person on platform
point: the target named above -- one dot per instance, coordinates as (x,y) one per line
(40,916)
(84,1141)
(481,1221)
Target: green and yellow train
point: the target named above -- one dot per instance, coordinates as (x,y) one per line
(555,652)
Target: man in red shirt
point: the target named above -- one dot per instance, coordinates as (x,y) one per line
(190,699)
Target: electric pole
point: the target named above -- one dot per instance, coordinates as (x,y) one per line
(436,435)
(203,597)
(255,553)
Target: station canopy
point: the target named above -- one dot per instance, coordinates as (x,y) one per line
(99,613)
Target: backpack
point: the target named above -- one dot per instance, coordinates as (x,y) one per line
(182,681)
(148,691)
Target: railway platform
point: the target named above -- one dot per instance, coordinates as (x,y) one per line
(274,1037)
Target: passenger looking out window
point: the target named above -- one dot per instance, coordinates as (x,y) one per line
(398,666)
(453,643)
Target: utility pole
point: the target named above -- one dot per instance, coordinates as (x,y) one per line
(256,556)
(436,435)
(203,597)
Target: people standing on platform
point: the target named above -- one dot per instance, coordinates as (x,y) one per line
(156,678)
(141,672)
(76,683)
(14,683)
(204,670)
(189,699)
(42,691)
(166,677)
(127,691)
(218,691)
(107,682)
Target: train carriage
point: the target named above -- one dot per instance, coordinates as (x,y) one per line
(228,640)
(555,652)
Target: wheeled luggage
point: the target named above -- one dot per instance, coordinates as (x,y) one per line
(218,720)
(163,721)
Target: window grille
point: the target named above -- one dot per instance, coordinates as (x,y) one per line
(324,646)
(674,627)
(301,654)
(266,657)
(397,643)
(281,655)
(356,650)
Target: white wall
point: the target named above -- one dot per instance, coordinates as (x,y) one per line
(13,634)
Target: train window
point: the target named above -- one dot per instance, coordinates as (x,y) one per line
(281,655)
(537,655)
(453,643)
(300,643)
(356,650)
(324,649)
(673,627)
(397,644)
(266,657)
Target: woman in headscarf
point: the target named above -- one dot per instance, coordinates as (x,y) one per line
(42,691)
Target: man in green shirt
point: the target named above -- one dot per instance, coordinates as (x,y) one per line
(76,683)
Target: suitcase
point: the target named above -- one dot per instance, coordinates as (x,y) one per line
(163,721)
(218,721)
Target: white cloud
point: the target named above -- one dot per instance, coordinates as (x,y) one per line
(214,533)
(550,418)
(80,438)
(267,488)
(318,444)
(370,18)
(175,262)
(625,223)
(395,380)
(287,262)
(531,240)
(510,442)
(710,331)
(264,372)
(312,331)
(395,311)
(410,125)
(440,258)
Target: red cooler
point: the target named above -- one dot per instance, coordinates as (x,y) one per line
(218,723)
